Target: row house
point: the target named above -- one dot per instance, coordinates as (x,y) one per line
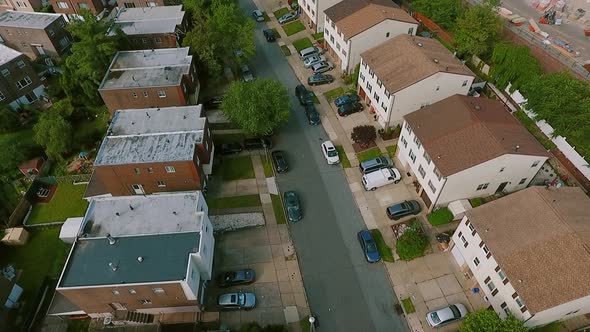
(150,78)
(74,8)
(353,27)
(153,150)
(19,82)
(21,5)
(37,35)
(407,73)
(312,12)
(466,147)
(528,253)
(137,257)
(150,27)
(146,3)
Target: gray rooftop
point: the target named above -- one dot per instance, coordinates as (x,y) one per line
(147,20)
(157,120)
(7,54)
(27,19)
(164,258)
(147,68)
(152,214)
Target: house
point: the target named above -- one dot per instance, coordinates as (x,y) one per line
(150,27)
(145,3)
(465,147)
(407,73)
(150,78)
(312,13)
(353,27)
(73,8)
(32,168)
(153,150)
(21,5)
(528,253)
(139,258)
(37,35)
(19,82)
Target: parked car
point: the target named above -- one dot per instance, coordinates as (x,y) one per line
(322,67)
(330,153)
(237,301)
(279,159)
(213,102)
(369,246)
(257,143)
(374,164)
(311,51)
(312,60)
(446,315)
(230,148)
(304,95)
(257,15)
(319,79)
(247,74)
(292,206)
(350,108)
(313,117)
(346,99)
(403,209)
(380,178)
(239,277)
(287,18)
(269,35)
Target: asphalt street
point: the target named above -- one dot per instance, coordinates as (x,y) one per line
(345,292)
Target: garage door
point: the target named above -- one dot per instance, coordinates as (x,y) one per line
(458,256)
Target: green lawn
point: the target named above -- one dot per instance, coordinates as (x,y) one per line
(302,44)
(440,216)
(286,50)
(66,202)
(266,18)
(277,207)
(391,150)
(276,33)
(266,164)
(237,168)
(369,154)
(342,155)
(314,98)
(530,125)
(334,93)
(318,36)
(553,327)
(408,306)
(304,324)
(281,12)
(234,202)
(293,27)
(227,138)
(384,249)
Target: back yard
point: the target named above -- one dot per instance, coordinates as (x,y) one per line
(66,202)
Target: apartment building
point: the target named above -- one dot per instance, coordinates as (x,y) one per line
(407,73)
(312,13)
(150,27)
(138,258)
(465,147)
(146,3)
(73,8)
(37,35)
(153,150)
(21,5)
(353,27)
(150,78)
(528,253)
(19,82)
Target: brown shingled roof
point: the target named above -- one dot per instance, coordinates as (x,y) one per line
(460,132)
(540,238)
(355,16)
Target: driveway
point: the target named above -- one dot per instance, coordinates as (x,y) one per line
(344,291)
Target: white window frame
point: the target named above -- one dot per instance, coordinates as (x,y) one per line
(161,184)
(476,261)
(170,169)
(27,80)
(161,93)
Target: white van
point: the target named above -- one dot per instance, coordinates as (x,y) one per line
(381,177)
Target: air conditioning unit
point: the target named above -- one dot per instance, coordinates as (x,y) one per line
(108,321)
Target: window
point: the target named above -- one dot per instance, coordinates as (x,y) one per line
(379,83)
(151,4)
(431,186)
(464,83)
(410,31)
(326,32)
(491,286)
(333,25)
(421,171)
(485,249)
(161,184)
(405,142)
(465,243)
(502,275)
(535,163)
(62,24)
(150,170)
(437,173)
(64,41)
(5,72)
(308,8)
(170,169)
(476,261)
(519,301)
(369,87)
(387,35)
(115,292)
(132,291)
(145,94)
(24,82)
(137,171)
(408,128)
(129,5)
(134,94)
(522,181)
(417,141)
(412,156)
(505,308)
(158,40)
(338,46)
(376,96)
(502,169)
(20,63)
(82,5)
(145,302)
(62,5)
(144,40)
(387,94)
(158,290)
(471,227)
(343,52)
(161,94)
(383,106)
(332,39)
(427,157)
(483,186)
(362,77)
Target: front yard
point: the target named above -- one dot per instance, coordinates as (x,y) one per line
(343,157)
(368,154)
(293,27)
(334,93)
(237,168)
(302,43)
(277,206)
(233,202)
(66,202)
(281,12)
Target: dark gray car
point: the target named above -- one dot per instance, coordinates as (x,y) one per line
(319,79)
(239,277)
(403,209)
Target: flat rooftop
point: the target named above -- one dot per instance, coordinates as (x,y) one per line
(95,262)
(147,68)
(152,214)
(7,54)
(157,120)
(148,20)
(27,19)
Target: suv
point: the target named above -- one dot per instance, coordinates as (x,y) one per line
(322,67)
(403,209)
(247,74)
(346,99)
(257,143)
(269,35)
(350,108)
(303,95)
(280,161)
(374,164)
(318,79)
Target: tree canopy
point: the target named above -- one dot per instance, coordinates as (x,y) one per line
(488,321)
(8,120)
(444,12)
(15,148)
(258,107)
(53,131)
(477,30)
(514,64)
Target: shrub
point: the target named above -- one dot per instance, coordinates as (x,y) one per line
(364,135)
(440,216)
(412,243)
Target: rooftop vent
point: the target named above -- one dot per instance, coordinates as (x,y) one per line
(435,60)
(175,213)
(516,148)
(131,207)
(113,266)
(147,114)
(111,239)
(477,107)
(420,45)
(140,259)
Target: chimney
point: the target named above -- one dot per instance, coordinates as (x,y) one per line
(111,239)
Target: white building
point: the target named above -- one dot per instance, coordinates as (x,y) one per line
(352,27)
(465,147)
(407,73)
(312,12)
(529,253)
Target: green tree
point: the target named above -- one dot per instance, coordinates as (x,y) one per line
(16,147)
(8,120)
(54,133)
(513,64)
(477,30)
(412,243)
(258,107)
(444,12)
(488,321)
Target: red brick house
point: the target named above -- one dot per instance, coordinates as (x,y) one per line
(73,8)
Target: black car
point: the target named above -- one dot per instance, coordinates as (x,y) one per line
(230,148)
(369,246)
(269,35)
(319,79)
(257,143)
(313,117)
(350,108)
(292,206)
(346,99)
(304,96)
(239,277)
(403,209)
(280,161)
(213,102)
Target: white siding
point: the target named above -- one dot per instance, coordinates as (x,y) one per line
(204,257)
(316,10)
(561,312)
(335,39)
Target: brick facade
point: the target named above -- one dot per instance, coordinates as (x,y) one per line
(73,7)
(151,41)
(17,72)
(20,5)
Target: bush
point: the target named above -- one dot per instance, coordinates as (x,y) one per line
(364,135)
(412,243)
(440,216)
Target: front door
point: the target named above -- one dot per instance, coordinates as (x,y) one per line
(138,189)
(501,187)
(40,49)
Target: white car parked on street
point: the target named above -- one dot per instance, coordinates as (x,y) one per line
(330,153)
